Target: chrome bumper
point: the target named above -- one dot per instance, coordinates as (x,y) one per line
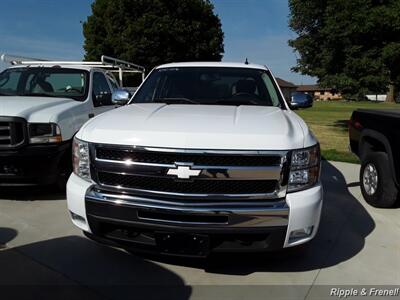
(210,216)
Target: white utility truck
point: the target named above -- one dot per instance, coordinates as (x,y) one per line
(42,106)
(206,156)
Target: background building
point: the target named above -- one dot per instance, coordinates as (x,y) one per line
(287,88)
(319,93)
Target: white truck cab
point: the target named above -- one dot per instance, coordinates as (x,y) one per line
(206,156)
(42,106)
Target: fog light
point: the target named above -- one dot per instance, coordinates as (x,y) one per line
(78,218)
(299,234)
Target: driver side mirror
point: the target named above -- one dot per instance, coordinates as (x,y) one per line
(120,97)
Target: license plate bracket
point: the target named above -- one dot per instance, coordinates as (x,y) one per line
(183,243)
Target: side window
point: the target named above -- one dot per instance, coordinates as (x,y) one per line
(9,81)
(101,91)
(112,81)
(272,91)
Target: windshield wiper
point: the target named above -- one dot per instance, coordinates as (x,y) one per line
(174,100)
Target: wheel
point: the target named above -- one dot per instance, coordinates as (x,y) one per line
(376,180)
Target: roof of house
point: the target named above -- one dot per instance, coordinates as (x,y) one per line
(284,83)
(311,88)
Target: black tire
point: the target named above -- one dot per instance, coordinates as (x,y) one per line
(386,193)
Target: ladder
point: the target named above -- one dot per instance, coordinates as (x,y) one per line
(106,62)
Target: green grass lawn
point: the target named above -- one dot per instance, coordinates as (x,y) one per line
(328,121)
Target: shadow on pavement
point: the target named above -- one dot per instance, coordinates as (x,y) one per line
(73,267)
(6,235)
(32,193)
(344,226)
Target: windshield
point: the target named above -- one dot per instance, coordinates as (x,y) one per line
(209,85)
(44,82)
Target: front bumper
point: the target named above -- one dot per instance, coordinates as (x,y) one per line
(134,222)
(33,164)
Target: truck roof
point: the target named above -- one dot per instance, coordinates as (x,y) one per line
(212,64)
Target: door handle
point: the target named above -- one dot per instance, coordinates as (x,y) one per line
(91,115)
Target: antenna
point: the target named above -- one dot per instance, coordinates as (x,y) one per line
(246,62)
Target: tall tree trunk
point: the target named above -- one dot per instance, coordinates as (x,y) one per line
(392,93)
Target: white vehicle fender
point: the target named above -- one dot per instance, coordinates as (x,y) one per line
(72,119)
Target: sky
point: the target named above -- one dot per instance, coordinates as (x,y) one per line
(254,29)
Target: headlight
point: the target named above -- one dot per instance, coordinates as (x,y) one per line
(43,133)
(81,159)
(304,168)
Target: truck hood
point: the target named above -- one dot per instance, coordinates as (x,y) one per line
(34,109)
(197,127)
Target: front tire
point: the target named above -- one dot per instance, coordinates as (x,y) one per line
(377,185)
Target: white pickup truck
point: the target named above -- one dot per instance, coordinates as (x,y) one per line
(205,157)
(42,106)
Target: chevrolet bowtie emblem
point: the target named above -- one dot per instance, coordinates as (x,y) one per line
(183,172)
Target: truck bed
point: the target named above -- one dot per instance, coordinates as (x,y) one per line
(381,112)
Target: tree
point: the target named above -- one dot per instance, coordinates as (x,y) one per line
(153,32)
(353,46)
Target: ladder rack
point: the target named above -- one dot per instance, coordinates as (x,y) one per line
(106,62)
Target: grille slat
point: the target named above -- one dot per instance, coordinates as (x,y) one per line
(164,184)
(196,159)
(5,134)
(11,132)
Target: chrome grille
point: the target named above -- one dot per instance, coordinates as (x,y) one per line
(12,132)
(196,159)
(234,175)
(170,185)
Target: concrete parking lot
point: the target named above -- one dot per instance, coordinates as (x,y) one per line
(43,255)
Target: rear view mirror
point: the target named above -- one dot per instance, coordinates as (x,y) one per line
(120,97)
